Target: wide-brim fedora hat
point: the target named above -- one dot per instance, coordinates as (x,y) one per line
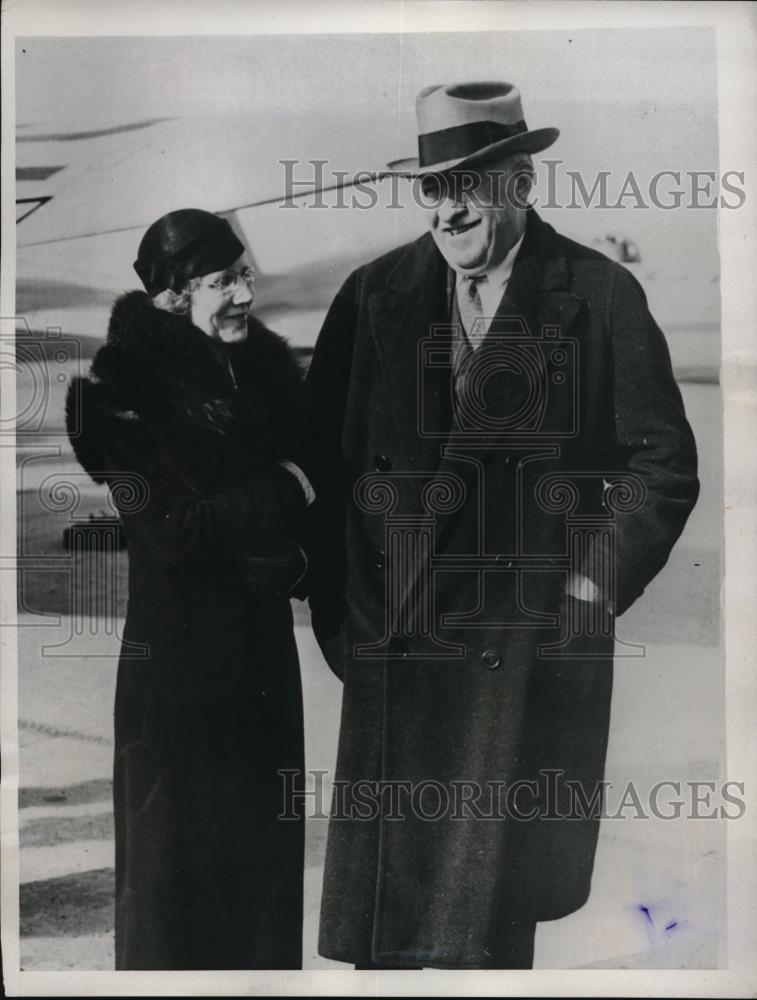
(466,124)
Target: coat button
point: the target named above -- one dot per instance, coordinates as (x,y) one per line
(490,659)
(382,463)
(380,559)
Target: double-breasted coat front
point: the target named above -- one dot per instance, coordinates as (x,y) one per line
(448,523)
(208,702)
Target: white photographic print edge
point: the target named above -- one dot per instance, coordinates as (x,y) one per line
(300,52)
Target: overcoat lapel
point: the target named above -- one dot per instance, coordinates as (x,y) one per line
(414,304)
(536,303)
(402,317)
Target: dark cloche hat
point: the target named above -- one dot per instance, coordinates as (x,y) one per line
(182,245)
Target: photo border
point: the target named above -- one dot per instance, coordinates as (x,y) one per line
(737,87)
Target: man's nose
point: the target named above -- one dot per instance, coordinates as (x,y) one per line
(450,209)
(243,293)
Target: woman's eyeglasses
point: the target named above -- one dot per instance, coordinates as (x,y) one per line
(229,280)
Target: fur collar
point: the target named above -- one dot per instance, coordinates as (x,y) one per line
(161,374)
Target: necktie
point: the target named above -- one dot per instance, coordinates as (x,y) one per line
(471,310)
(471,331)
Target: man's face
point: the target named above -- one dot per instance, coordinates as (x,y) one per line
(475,218)
(221,301)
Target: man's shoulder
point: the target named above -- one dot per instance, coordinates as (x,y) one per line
(400,259)
(589,269)
(580,253)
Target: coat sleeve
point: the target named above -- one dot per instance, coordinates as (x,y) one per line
(326,392)
(653,442)
(249,526)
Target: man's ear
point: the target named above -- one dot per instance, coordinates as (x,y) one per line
(518,184)
(523,182)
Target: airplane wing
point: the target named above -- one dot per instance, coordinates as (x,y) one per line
(86,194)
(104,180)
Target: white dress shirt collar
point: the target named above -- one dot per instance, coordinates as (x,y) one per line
(500,274)
(492,290)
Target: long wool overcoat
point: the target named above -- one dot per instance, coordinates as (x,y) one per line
(208,702)
(438,569)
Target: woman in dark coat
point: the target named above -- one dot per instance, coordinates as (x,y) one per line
(190,414)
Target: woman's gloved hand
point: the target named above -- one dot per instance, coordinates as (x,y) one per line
(278,572)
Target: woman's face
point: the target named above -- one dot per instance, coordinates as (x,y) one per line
(221,300)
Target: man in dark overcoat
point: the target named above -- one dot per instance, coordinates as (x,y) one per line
(503,463)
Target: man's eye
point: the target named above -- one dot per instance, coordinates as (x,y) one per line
(431,189)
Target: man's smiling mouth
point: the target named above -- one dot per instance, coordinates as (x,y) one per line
(462,229)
